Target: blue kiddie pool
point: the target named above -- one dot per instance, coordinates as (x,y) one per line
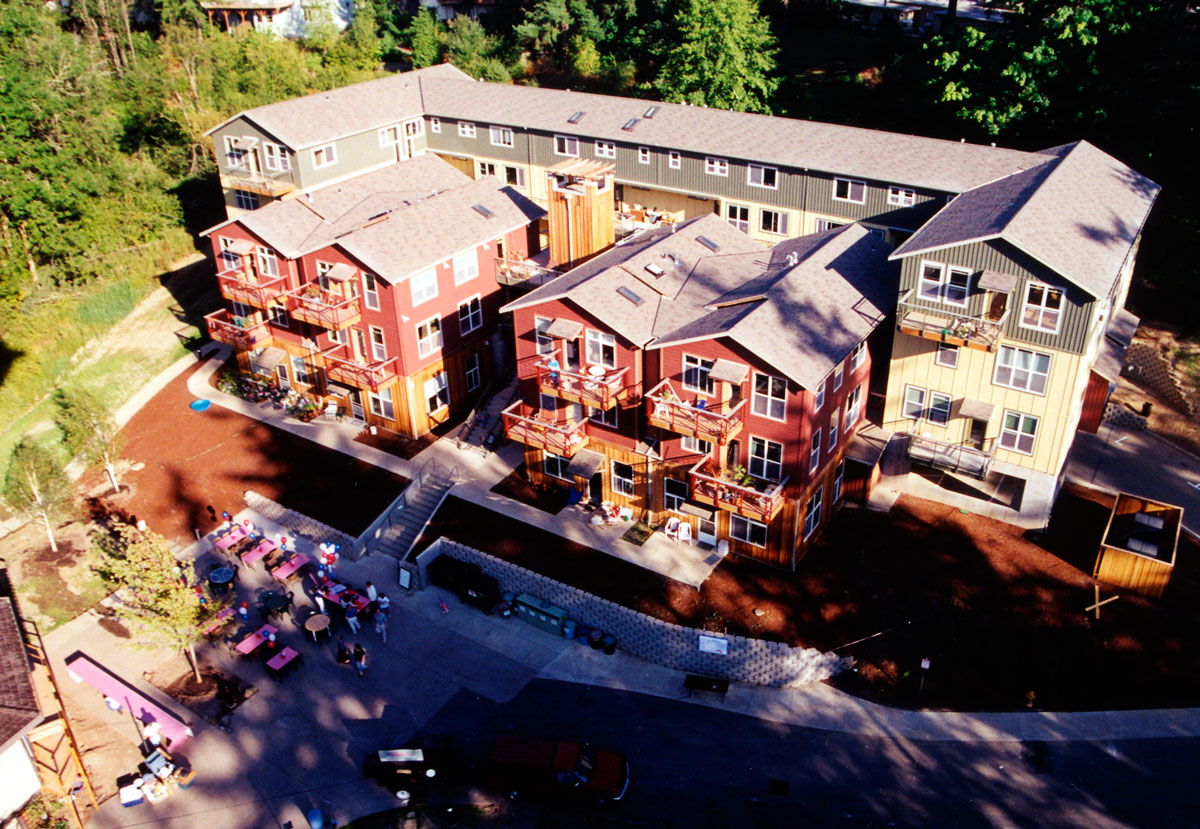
(200,405)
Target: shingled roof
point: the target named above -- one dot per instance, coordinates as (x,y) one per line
(1079,214)
(18,702)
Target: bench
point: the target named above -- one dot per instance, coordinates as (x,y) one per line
(712,684)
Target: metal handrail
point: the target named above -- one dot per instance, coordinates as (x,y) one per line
(961,325)
(602,390)
(693,416)
(763,503)
(513,272)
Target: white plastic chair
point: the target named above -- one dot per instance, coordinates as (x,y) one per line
(685,533)
(672,529)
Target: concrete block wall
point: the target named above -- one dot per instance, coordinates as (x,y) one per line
(1118,414)
(298,523)
(750,661)
(1147,365)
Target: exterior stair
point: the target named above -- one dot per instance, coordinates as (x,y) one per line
(486,420)
(411,513)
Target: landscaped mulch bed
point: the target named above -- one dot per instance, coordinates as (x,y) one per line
(998,614)
(516,486)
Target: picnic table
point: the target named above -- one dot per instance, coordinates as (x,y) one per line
(258,552)
(290,567)
(230,538)
(219,621)
(171,726)
(278,664)
(248,645)
(341,595)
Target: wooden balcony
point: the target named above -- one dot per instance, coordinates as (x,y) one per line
(944,325)
(525,274)
(602,390)
(551,431)
(667,410)
(341,366)
(759,499)
(323,308)
(241,285)
(950,457)
(243,333)
(255,183)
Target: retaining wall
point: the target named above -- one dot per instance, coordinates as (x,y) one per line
(1146,364)
(1118,414)
(301,525)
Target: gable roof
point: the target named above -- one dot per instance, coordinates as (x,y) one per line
(18,703)
(325,116)
(1079,214)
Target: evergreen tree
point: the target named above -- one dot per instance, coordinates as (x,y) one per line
(723,56)
(89,431)
(36,486)
(470,48)
(425,36)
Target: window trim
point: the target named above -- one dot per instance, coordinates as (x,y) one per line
(694,445)
(377,345)
(674,159)
(754,397)
(605,417)
(849,197)
(858,356)
(614,478)
(424,296)
(678,501)
(435,124)
(946,348)
(901,196)
(1046,291)
(644,155)
(838,477)
(385,140)
(780,226)
(942,412)
(540,339)
(813,515)
(466,129)
(839,376)
(520,175)
(716,166)
(814,451)
(570,146)
(473,315)
(1021,418)
(277,161)
(750,168)
(854,408)
(497,135)
(560,464)
(766,464)
(707,389)
(835,420)
(232,152)
(434,339)
(749,523)
(603,338)
(282,320)
(441,380)
(604,149)
(1031,371)
(245,200)
(370,294)
(471,366)
(742,222)
(380,405)
(471,258)
(330,151)
(819,396)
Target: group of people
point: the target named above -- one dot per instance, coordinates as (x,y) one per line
(375,612)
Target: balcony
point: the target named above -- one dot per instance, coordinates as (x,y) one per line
(342,367)
(243,333)
(239,284)
(749,497)
(525,274)
(949,457)
(256,183)
(667,410)
(943,325)
(323,308)
(550,431)
(601,390)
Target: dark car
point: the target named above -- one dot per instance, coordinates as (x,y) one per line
(530,765)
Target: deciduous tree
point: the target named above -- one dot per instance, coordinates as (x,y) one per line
(89,431)
(36,486)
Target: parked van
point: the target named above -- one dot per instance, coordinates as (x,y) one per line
(529,765)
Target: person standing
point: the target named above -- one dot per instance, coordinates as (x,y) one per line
(381,626)
(384,603)
(372,593)
(343,652)
(360,659)
(352,617)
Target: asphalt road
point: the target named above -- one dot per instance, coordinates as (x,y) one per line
(695,766)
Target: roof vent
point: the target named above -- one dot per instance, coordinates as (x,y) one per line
(482,211)
(651,112)
(654,270)
(630,124)
(793,258)
(576,118)
(708,243)
(377,218)
(630,295)
(675,260)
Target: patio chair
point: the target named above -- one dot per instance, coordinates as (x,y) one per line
(331,411)
(685,532)
(672,529)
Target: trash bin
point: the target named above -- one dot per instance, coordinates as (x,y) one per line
(596,639)
(582,633)
(568,628)
(540,614)
(610,645)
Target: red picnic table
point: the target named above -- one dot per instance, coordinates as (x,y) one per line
(230,538)
(280,662)
(248,645)
(342,595)
(290,567)
(218,621)
(263,549)
(82,668)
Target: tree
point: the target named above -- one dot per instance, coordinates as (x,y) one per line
(36,485)
(89,431)
(724,56)
(473,50)
(153,589)
(425,37)
(541,31)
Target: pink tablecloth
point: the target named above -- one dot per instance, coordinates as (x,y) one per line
(229,539)
(248,645)
(263,549)
(281,660)
(290,567)
(220,619)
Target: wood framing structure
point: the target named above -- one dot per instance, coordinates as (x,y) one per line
(1138,548)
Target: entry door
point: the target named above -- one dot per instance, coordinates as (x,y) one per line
(573,355)
(706,533)
(281,374)
(978,431)
(596,487)
(356,406)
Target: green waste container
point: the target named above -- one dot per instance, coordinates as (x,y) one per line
(540,614)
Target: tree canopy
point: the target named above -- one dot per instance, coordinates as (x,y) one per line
(36,486)
(89,431)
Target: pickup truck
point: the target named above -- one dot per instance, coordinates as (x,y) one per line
(529,765)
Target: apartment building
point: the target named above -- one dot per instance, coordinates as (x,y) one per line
(378,294)
(985,236)
(689,373)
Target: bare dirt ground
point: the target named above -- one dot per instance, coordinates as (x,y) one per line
(1164,420)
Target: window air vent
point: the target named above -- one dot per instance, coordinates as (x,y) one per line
(576,118)
(630,124)
(482,211)
(651,112)
(630,295)
(654,270)
(708,243)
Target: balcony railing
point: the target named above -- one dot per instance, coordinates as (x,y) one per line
(944,325)
(256,183)
(544,430)
(526,274)
(243,333)
(240,285)
(667,410)
(601,390)
(343,368)
(950,457)
(328,310)
(758,499)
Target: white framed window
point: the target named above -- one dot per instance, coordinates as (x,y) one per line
(851,190)
(566,145)
(605,417)
(268,264)
(814,451)
(748,531)
(838,477)
(245,200)
(435,125)
(547,402)
(545,343)
(920,404)
(760,176)
(858,356)
(606,149)
(324,156)
(957,287)
(323,269)
(235,156)
(819,398)
(470,316)
(279,316)
(471,365)
(501,136)
(1042,310)
(370,291)
(378,345)
(738,215)
(716,166)
(812,513)
(675,494)
(1018,368)
(466,267)
(276,157)
(929,284)
(643,155)
(301,371)
(694,444)
(486,168)
(622,478)
(466,129)
(240,310)
(766,459)
(423,286)
(674,160)
(939,408)
(414,128)
(770,396)
(938,283)
(555,466)
(389,136)
(947,355)
(338,337)
(834,419)
(601,349)
(773,221)
(854,406)
(828,224)
(437,392)
(429,336)
(914,403)
(695,374)
(901,197)
(1018,432)
(514,176)
(838,374)
(381,403)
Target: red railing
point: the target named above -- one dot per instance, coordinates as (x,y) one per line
(356,373)
(544,430)
(601,390)
(328,310)
(667,410)
(239,284)
(243,333)
(759,499)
